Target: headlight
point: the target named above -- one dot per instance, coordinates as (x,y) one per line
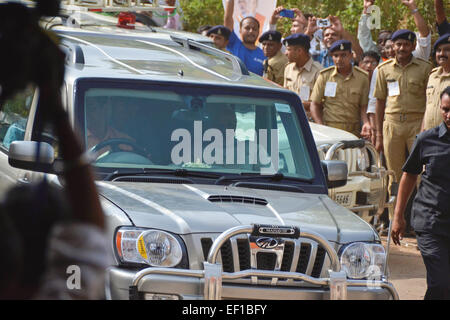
(153,247)
(363,161)
(363,260)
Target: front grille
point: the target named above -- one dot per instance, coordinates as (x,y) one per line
(227,256)
(318,263)
(362,198)
(345,199)
(206,245)
(288,255)
(243,254)
(266,260)
(303,256)
(305,252)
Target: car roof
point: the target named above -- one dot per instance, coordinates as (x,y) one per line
(152,54)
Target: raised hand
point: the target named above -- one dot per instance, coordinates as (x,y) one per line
(276,15)
(411,4)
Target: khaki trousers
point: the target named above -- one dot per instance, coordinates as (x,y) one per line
(354,128)
(399,133)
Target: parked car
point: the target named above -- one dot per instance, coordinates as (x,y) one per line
(366,191)
(209,176)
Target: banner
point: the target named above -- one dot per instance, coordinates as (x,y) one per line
(260,9)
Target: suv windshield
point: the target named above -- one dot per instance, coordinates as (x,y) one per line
(200,129)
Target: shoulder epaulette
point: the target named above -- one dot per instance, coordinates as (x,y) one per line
(423,60)
(385,62)
(361,70)
(327,69)
(289,63)
(434,70)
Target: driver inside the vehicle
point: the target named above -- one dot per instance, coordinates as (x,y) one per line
(98,128)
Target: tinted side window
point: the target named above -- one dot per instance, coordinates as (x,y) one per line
(14,117)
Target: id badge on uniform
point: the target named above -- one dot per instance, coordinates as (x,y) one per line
(393,89)
(304,93)
(330,89)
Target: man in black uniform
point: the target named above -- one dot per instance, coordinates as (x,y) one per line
(431,207)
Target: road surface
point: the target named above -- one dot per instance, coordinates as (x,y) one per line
(407,271)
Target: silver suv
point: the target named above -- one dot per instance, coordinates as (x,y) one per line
(209,176)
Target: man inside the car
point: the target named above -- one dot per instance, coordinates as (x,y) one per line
(97,127)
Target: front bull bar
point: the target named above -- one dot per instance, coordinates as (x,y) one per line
(213,274)
(380,173)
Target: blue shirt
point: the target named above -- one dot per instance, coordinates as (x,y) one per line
(253,59)
(324,58)
(443,28)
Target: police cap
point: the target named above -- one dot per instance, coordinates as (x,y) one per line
(442,40)
(297,39)
(344,45)
(403,34)
(220,30)
(272,35)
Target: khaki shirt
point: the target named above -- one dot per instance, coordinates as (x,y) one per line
(403,88)
(302,80)
(437,82)
(342,97)
(274,68)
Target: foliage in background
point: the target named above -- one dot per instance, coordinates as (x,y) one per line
(198,13)
(394,15)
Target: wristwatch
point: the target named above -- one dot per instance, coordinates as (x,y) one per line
(414,11)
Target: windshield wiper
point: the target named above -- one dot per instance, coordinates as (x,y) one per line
(175,172)
(249,176)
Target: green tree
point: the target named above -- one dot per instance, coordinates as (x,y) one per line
(394,15)
(197,13)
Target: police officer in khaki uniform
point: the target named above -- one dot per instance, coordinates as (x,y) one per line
(301,73)
(439,79)
(276,61)
(400,93)
(341,93)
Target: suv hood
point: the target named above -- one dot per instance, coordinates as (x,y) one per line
(185,209)
(324,134)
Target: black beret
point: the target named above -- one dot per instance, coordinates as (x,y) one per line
(297,39)
(271,36)
(220,30)
(442,40)
(403,34)
(341,45)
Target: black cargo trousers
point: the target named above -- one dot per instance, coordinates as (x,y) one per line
(435,250)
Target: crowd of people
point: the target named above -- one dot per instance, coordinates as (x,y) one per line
(386,91)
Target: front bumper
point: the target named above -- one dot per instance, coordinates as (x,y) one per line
(213,284)
(192,288)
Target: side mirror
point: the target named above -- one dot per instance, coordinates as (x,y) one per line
(23,155)
(336,172)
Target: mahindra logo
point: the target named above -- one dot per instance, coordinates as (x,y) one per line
(267,243)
